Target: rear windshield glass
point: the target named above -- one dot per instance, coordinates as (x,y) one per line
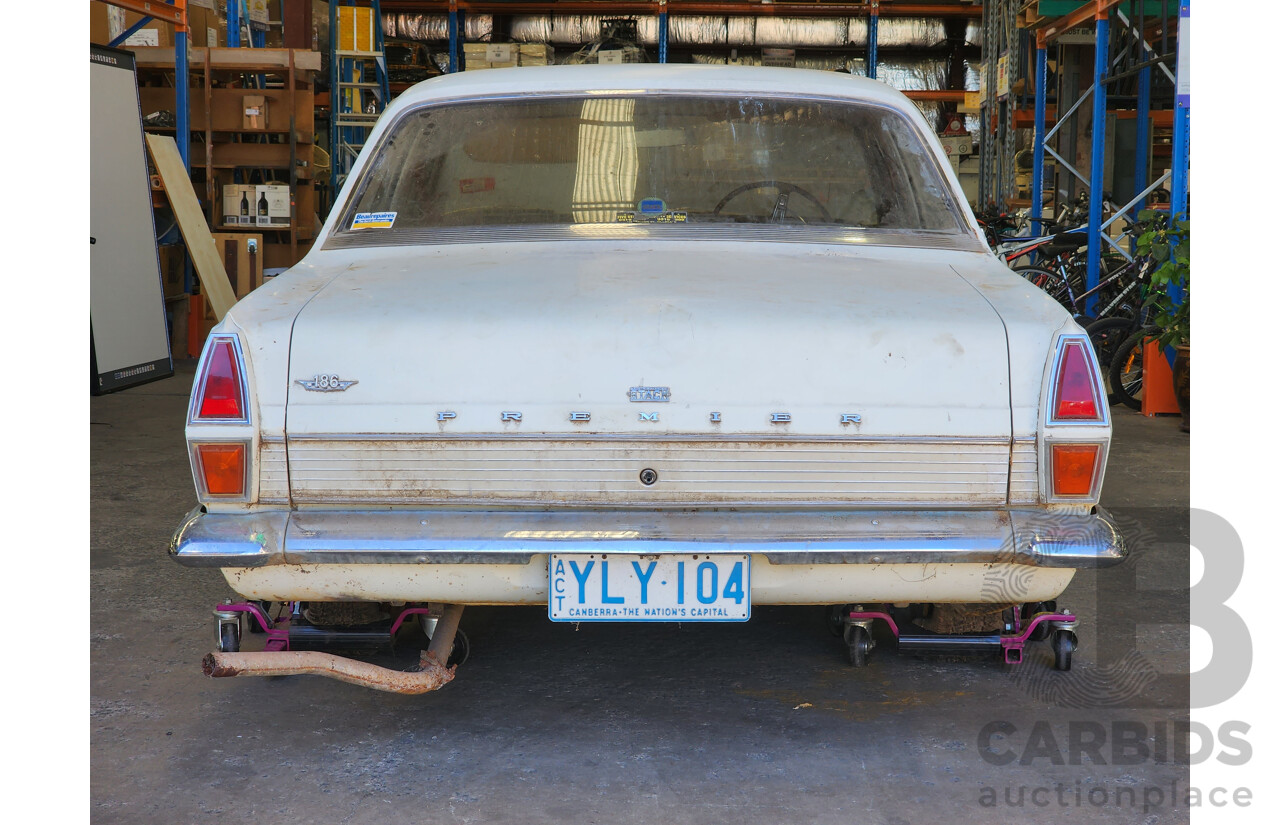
(652,159)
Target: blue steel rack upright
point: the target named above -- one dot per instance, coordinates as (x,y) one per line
(237,16)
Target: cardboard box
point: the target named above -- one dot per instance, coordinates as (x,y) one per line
(784,58)
(507,55)
(258,12)
(479,55)
(207,27)
(239,205)
(255,111)
(273,207)
(536,54)
(154,33)
(206,20)
(99,28)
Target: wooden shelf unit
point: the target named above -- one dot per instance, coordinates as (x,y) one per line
(281,152)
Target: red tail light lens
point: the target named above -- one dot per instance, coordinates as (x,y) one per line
(1074,396)
(221,393)
(1074,466)
(221,467)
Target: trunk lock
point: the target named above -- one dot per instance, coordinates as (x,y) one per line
(648,476)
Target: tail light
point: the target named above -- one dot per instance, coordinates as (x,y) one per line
(1077,424)
(1076,384)
(222,468)
(219,434)
(1075,467)
(220,391)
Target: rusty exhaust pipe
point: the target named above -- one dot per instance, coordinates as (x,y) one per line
(430,674)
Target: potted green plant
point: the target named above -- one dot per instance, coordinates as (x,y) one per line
(1168,243)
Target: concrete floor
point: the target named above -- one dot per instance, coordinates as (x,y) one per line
(755,722)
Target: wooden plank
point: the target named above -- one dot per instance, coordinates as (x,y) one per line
(191,222)
(248,60)
(253,155)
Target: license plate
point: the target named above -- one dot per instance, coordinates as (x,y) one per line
(617,587)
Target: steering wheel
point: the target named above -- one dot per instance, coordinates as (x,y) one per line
(785,190)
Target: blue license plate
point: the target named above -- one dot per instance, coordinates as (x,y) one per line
(620,587)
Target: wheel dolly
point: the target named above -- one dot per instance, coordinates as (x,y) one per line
(281,655)
(1060,626)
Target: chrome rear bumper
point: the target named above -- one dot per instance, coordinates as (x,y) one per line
(1029,537)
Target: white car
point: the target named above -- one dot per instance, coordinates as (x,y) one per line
(645,343)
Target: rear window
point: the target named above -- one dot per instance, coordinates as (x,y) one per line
(652,159)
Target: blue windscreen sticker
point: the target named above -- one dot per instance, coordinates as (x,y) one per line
(373,220)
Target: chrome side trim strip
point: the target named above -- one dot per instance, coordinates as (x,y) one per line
(676,438)
(1033,538)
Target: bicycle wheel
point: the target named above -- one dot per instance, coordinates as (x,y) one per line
(1126,369)
(1106,335)
(1053,284)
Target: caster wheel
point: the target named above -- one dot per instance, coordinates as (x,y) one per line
(461,649)
(835,619)
(229,637)
(858,645)
(461,644)
(1064,644)
(1042,630)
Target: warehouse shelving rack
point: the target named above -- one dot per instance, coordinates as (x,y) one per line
(665,9)
(283,146)
(358,90)
(1137,52)
(175,12)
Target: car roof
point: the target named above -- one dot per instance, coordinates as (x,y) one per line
(652,77)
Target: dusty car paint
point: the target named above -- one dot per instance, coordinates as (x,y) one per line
(493,370)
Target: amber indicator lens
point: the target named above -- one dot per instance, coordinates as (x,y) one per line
(221,393)
(1073,468)
(1074,398)
(222,467)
